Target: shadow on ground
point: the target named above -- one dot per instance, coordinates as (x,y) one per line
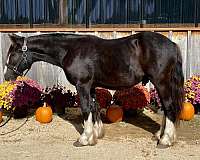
(139,120)
(143,121)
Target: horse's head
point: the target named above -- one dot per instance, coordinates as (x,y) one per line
(18,58)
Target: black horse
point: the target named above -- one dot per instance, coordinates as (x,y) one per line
(89,62)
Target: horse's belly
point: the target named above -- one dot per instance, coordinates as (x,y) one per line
(118,80)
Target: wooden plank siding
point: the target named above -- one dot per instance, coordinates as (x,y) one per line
(46,74)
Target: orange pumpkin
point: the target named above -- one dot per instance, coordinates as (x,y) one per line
(44,114)
(1,115)
(187,112)
(114,113)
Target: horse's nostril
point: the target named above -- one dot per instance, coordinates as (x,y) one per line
(6,77)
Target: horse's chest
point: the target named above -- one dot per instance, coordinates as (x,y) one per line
(80,69)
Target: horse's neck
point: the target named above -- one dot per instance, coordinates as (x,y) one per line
(45,58)
(53,54)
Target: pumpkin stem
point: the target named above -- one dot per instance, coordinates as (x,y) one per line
(45,104)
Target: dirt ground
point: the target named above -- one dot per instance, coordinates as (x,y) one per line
(130,139)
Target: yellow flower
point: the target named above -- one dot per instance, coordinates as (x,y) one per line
(21,78)
(196,78)
(5,89)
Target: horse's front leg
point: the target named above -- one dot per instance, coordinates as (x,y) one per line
(93,127)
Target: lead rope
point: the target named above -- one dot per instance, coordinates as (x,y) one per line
(1,134)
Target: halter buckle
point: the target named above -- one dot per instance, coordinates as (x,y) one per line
(24,47)
(15,69)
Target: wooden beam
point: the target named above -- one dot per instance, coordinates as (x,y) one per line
(62,29)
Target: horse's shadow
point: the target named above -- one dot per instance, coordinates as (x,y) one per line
(139,120)
(74,118)
(143,121)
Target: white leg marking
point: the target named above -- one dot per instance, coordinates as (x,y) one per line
(99,129)
(158,133)
(88,136)
(169,136)
(91,132)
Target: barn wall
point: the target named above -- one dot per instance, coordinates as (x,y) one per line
(48,75)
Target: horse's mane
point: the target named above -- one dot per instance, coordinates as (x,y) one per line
(59,36)
(72,36)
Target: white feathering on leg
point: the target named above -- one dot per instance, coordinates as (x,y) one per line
(169,136)
(88,136)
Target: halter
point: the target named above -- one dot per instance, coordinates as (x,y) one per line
(23,58)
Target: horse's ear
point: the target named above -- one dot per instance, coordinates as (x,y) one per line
(15,39)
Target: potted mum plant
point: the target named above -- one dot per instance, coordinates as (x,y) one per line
(155,103)
(19,95)
(192,91)
(132,100)
(103,97)
(59,98)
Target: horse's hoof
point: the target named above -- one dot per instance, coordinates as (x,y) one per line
(154,138)
(162,146)
(78,144)
(164,142)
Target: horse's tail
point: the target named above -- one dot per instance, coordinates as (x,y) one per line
(177,82)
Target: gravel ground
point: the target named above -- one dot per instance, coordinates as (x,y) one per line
(131,139)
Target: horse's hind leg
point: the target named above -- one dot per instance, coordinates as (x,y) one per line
(93,127)
(167,133)
(169,85)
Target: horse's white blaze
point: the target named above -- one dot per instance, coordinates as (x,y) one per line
(169,136)
(7,62)
(88,136)
(5,69)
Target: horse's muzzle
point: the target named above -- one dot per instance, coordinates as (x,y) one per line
(10,75)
